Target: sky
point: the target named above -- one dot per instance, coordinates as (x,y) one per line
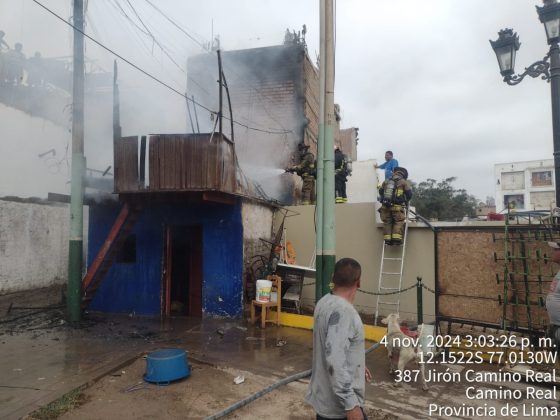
(416,77)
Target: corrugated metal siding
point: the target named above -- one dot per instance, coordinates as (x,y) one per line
(137,287)
(178,162)
(191,162)
(126,164)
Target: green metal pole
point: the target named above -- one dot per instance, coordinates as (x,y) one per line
(329,233)
(320,162)
(420,307)
(75,245)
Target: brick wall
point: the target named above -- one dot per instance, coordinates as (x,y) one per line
(274,90)
(347,139)
(265,86)
(311,103)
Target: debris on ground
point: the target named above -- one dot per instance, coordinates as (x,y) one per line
(281,343)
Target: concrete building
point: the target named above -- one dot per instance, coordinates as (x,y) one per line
(527,185)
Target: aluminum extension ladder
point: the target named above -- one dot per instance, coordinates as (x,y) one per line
(391,274)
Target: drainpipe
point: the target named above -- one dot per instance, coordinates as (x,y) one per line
(74,292)
(320,159)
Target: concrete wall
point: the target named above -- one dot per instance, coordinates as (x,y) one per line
(33,245)
(361,187)
(257,222)
(28,167)
(360,237)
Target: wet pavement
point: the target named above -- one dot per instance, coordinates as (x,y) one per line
(42,358)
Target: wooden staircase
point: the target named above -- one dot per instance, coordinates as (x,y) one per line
(108,252)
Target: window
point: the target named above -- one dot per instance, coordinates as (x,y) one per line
(514,201)
(541,178)
(513,180)
(127,253)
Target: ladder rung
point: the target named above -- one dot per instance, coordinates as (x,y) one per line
(392,274)
(388,303)
(389,288)
(392,258)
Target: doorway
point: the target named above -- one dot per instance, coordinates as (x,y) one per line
(182,271)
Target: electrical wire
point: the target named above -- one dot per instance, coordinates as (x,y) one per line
(225,65)
(150,75)
(177,26)
(140,38)
(154,38)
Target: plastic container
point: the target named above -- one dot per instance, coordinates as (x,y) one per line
(264,287)
(165,366)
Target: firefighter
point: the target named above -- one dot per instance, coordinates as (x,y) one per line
(394,194)
(342,170)
(306,170)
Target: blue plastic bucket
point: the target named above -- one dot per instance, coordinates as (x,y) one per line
(164,366)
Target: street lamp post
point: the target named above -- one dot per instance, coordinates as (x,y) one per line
(505,48)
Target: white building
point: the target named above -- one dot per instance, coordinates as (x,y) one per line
(525,185)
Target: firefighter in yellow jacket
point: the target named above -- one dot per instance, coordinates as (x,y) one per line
(394,194)
(306,170)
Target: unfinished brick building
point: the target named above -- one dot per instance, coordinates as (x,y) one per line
(274,94)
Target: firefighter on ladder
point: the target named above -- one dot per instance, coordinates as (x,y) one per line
(394,194)
(307,172)
(342,170)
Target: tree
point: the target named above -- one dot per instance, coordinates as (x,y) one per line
(441,201)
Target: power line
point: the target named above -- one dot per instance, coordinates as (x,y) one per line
(150,75)
(154,38)
(177,25)
(139,33)
(225,65)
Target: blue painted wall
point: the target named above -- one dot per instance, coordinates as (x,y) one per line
(137,287)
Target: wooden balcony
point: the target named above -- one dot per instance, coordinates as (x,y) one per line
(175,163)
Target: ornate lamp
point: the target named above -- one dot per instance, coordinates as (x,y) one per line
(549,15)
(505,48)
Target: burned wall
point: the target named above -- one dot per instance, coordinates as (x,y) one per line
(266,87)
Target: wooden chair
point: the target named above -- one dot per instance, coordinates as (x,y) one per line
(276,287)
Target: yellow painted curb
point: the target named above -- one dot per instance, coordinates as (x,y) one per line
(371,332)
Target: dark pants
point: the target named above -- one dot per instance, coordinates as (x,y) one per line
(318,417)
(340,186)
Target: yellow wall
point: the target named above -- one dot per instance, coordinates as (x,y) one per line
(359,236)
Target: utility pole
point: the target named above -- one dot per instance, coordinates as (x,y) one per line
(74,292)
(320,159)
(326,241)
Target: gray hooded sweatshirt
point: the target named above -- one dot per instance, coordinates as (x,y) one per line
(338,370)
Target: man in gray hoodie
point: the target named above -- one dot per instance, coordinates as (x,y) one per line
(339,372)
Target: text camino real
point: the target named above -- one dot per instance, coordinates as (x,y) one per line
(473,376)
